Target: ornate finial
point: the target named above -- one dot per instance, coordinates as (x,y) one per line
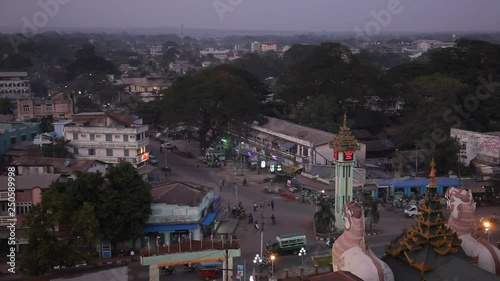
(432,175)
(344,139)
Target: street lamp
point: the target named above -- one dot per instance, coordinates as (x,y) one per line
(302,253)
(272,265)
(257,259)
(487,229)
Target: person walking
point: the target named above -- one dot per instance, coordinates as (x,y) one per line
(254,207)
(272,204)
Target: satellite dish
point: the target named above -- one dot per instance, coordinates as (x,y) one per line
(66,163)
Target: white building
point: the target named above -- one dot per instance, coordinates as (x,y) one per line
(482,149)
(14,84)
(255,46)
(108,137)
(266,47)
(285,48)
(214,52)
(156,50)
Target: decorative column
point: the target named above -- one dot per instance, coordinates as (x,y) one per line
(344,147)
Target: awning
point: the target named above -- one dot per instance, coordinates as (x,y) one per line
(209,218)
(170,227)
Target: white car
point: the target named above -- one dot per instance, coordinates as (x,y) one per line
(412,211)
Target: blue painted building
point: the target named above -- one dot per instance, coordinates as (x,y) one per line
(180,211)
(414,186)
(13,133)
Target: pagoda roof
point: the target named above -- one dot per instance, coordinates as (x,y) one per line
(344,140)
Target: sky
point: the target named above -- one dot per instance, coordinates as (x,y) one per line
(275,15)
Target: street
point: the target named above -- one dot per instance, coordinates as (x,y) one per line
(291,216)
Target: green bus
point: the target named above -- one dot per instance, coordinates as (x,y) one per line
(287,243)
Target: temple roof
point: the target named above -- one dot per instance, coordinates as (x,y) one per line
(344,140)
(429,247)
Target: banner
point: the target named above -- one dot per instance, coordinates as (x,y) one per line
(239,272)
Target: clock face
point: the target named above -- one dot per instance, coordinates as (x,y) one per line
(348,155)
(335,155)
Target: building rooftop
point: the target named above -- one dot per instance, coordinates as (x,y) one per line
(61,165)
(315,136)
(27,182)
(178,193)
(13,74)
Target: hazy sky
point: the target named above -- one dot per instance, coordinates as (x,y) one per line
(301,15)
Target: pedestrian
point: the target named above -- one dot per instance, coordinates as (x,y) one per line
(254,207)
(272,204)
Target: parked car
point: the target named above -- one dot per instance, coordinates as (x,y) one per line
(152,160)
(168,145)
(412,211)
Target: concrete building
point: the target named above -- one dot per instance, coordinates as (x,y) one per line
(265,47)
(28,193)
(150,84)
(14,84)
(108,137)
(255,47)
(156,50)
(59,106)
(214,52)
(14,133)
(181,209)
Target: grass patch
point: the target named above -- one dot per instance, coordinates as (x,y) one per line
(322,261)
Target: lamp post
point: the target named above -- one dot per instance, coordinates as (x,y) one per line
(487,229)
(256,260)
(302,253)
(273,257)
(158,244)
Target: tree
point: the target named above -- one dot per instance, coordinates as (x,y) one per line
(58,149)
(324,218)
(262,66)
(6,106)
(87,62)
(86,104)
(212,98)
(46,123)
(125,205)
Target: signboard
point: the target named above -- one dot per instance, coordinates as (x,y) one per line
(262,164)
(348,155)
(145,157)
(335,155)
(239,272)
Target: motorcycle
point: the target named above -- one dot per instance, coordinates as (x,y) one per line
(190,267)
(250,219)
(167,270)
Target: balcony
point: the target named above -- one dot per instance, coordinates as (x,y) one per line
(6,220)
(108,144)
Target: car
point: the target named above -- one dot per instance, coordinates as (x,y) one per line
(412,211)
(152,160)
(168,145)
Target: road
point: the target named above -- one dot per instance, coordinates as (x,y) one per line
(291,216)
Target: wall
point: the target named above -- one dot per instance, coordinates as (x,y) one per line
(28,129)
(472,141)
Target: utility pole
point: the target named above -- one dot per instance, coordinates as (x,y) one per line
(262,228)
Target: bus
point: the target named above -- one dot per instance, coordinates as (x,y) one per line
(286,243)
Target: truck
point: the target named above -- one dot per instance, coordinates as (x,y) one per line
(286,243)
(412,211)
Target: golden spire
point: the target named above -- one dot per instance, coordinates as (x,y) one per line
(432,175)
(344,139)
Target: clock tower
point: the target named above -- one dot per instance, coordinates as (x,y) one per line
(344,147)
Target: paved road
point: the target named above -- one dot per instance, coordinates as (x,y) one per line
(291,216)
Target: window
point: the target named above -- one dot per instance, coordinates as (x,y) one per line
(48,108)
(138,136)
(117,136)
(75,136)
(125,137)
(26,108)
(109,152)
(75,151)
(125,153)
(132,137)
(23,207)
(38,108)
(109,137)
(92,137)
(23,137)
(91,151)
(83,135)
(12,140)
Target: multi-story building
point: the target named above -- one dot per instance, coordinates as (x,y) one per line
(214,52)
(14,133)
(156,50)
(14,84)
(59,106)
(28,193)
(255,46)
(108,137)
(265,47)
